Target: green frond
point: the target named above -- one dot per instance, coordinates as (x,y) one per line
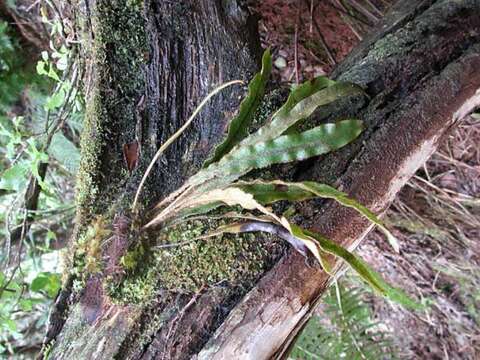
(287,148)
(302,102)
(238,127)
(345,330)
(267,192)
(370,276)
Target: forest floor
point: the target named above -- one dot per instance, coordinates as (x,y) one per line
(436,217)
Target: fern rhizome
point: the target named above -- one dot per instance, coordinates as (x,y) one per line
(219,183)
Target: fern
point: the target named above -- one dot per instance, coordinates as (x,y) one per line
(239,125)
(349,331)
(287,148)
(215,185)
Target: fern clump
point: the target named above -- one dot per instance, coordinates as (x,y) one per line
(219,183)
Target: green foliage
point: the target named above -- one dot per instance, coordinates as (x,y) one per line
(26,297)
(266,146)
(65,152)
(40,118)
(345,330)
(13,78)
(47,282)
(286,148)
(268,192)
(23,151)
(326,191)
(302,102)
(214,185)
(238,128)
(369,275)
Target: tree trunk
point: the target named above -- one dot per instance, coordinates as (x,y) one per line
(236,297)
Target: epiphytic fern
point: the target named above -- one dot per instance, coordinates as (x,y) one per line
(217,184)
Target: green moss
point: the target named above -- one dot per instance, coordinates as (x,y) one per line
(136,4)
(119,51)
(234,259)
(86,253)
(91,146)
(131,259)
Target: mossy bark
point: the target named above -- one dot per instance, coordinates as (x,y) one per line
(152,62)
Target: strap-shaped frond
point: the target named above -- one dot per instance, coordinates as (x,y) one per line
(209,200)
(369,275)
(267,192)
(322,92)
(285,116)
(302,102)
(308,241)
(238,127)
(317,141)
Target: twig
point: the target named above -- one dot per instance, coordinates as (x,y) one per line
(457,162)
(61,118)
(386,3)
(297,77)
(8,238)
(19,258)
(330,56)
(362,10)
(33,189)
(343,11)
(374,7)
(465,213)
(32,6)
(311,17)
(347,21)
(57,12)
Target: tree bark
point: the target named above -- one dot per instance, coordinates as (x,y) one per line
(420,70)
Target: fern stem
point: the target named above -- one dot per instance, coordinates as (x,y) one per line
(179,132)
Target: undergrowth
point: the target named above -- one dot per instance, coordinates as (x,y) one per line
(40,120)
(344,328)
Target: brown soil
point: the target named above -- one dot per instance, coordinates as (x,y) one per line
(281,19)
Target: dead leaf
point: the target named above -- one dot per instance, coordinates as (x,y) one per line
(131,153)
